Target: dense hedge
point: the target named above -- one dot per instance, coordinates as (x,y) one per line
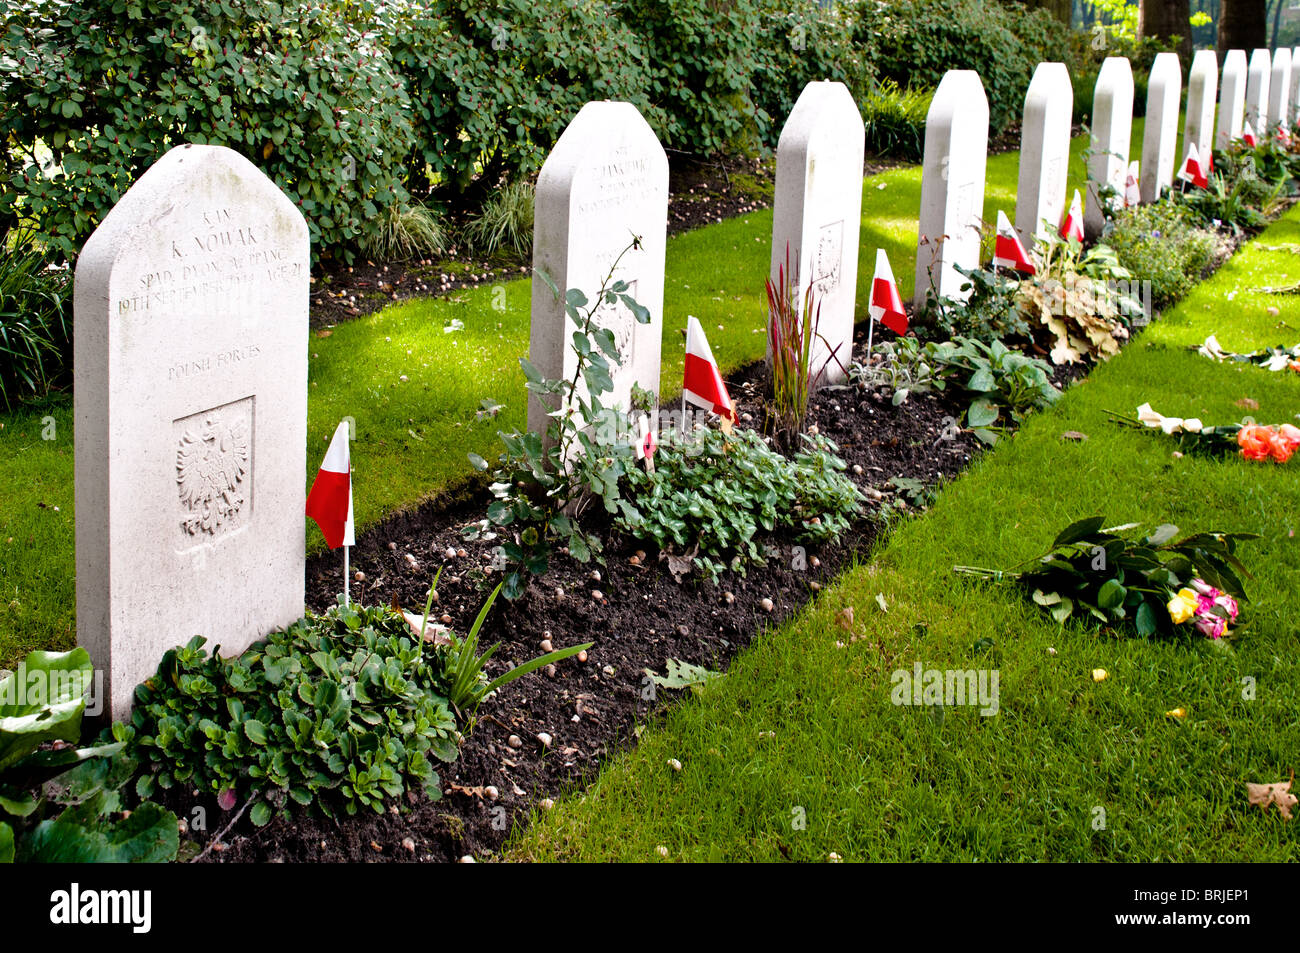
(920,40)
(107,86)
(361,107)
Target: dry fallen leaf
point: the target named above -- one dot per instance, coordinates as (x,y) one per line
(324,333)
(1099,674)
(1073,435)
(1247,403)
(1179,713)
(845,619)
(1279,794)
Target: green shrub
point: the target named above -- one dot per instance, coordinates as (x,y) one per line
(505,222)
(895,120)
(920,40)
(107,86)
(493,84)
(711,494)
(1159,243)
(35,322)
(988,313)
(802,42)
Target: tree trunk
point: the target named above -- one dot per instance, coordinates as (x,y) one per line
(1277,17)
(1243,24)
(1164,19)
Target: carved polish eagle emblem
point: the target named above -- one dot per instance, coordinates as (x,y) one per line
(211,464)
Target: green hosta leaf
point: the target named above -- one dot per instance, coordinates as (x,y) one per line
(981,382)
(1062,610)
(149,835)
(1046,598)
(477,462)
(981,413)
(6,843)
(260,814)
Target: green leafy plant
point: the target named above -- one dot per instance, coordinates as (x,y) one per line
(43,772)
(35,321)
(905,367)
(505,223)
(999,379)
(467,685)
(711,495)
(338,710)
(1159,243)
(544,482)
(989,312)
(1101,576)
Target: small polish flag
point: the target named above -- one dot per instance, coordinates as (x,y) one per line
(1248,134)
(1072,227)
(886,304)
(1132,193)
(702,383)
(330,501)
(1191,170)
(1008,251)
(1283,136)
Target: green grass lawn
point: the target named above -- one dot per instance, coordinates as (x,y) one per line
(798,751)
(413,435)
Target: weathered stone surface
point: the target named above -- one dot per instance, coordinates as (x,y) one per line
(191,415)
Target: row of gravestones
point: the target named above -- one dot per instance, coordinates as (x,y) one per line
(1264,92)
(191,324)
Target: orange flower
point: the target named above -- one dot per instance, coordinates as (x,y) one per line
(1295,366)
(1254,442)
(1279,447)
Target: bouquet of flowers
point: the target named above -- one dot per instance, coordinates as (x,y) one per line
(1253,441)
(1156,584)
(1274,358)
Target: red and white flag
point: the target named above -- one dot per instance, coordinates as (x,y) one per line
(886,305)
(1008,250)
(330,501)
(1191,170)
(1072,227)
(1132,191)
(702,384)
(1283,136)
(1248,134)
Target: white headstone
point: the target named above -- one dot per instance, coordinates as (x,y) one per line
(191,415)
(1232,99)
(1112,130)
(1257,86)
(952,185)
(817,215)
(1202,87)
(1160,140)
(1295,85)
(1279,89)
(605,181)
(1044,153)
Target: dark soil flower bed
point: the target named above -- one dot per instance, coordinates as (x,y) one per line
(635,613)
